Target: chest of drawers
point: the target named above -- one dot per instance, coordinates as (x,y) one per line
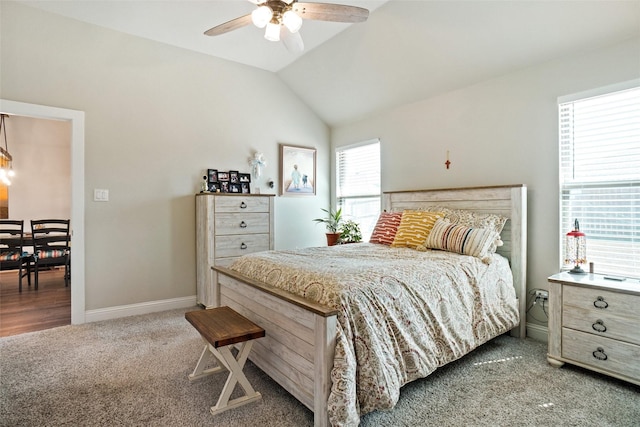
(227,227)
(594,323)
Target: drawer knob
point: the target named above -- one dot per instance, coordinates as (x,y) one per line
(600,303)
(243,224)
(600,354)
(243,246)
(599,326)
(243,205)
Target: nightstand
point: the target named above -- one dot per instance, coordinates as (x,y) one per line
(593,323)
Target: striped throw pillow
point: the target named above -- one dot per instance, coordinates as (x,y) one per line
(386,228)
(9,256)
(52,253)
(414,228)
(461,239)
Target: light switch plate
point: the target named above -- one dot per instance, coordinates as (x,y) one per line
(100,195)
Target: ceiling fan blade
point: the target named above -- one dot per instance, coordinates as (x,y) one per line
(234,24)
(331,12)
(292,41)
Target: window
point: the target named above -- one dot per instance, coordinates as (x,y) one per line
(600,176)
(358,184)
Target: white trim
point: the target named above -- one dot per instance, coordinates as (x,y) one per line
(591,93)
(140,308)
(357,144)
(77,191)
(537,332)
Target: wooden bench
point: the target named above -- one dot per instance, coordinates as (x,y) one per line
(221,328)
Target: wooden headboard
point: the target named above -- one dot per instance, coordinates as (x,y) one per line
(508,200)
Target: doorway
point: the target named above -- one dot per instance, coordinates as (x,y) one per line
(76,119)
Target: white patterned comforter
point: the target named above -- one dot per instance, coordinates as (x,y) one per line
(402,313)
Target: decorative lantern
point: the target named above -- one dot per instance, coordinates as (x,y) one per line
(575,249)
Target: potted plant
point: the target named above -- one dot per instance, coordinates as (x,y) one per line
(350,232)
(332,222)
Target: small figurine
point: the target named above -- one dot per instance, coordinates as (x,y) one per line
(257,163)
(204,188)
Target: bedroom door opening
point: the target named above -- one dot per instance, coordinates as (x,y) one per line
(76,119)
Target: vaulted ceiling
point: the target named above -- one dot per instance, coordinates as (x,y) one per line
(407,50)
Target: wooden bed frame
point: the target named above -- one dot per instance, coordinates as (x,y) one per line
(297,351)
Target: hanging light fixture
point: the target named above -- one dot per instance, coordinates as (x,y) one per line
(272,33)
(292,21)
(575,249)
(274,13)
(261,16)
(6,160)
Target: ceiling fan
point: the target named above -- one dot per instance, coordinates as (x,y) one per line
(282,19)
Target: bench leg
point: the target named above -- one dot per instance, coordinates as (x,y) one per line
(236,375)
(205,358)
(227,361)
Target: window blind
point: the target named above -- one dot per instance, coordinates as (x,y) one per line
(358,184)
(600,178)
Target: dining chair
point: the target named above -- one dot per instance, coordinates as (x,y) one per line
(12,253)
(51,246)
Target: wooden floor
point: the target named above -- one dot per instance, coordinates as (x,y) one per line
(32,310)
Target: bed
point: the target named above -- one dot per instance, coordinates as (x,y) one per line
(315,341)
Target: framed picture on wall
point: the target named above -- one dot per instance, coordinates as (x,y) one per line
(245,177)
(223,176)
(297,170)
(234,177)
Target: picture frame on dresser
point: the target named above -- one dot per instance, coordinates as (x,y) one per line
(214,187)
(212,175)
(234,187)
(297,170)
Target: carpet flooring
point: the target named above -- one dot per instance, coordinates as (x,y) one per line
(133,372)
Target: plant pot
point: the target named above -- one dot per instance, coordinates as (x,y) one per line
(332,238)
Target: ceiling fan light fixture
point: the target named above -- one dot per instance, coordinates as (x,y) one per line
(272,33)
(283,19)
(261,16)
(292,21)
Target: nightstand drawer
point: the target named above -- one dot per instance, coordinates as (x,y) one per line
(238,245)
(241,223)
(602,324)
(602,353)
(601,301)
(241,204)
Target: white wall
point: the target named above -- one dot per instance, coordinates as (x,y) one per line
(156,117)
(501,131)
(41,151)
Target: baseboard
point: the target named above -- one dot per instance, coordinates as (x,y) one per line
(141,308)
(537,332)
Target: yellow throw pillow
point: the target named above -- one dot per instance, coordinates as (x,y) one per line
(414,228)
